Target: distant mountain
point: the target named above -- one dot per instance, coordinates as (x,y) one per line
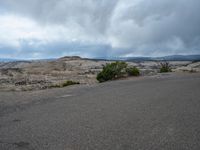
(166,58)
(7,60)
(182,58)
(12,60)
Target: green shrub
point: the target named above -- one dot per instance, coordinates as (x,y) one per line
(64,84)
(165,67)
(133,71)
(55,86)
(192,71)
(67,83)
(112,71)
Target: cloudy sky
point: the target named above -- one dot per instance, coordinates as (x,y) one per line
(98,28)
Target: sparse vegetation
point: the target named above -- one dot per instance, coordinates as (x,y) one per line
(165,67)
(116,70)
(195,61)
(39,75)
(112,71)
(192,71)
(133,71)
(67,83)
(64,84)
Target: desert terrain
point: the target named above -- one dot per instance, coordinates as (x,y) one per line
(153,112)
(44,74)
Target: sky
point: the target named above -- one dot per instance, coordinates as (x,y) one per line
(36,29)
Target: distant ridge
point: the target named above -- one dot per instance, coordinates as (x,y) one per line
(166,58)
(24,60)
(8,60)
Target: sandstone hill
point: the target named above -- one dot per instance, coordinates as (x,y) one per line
(42,74)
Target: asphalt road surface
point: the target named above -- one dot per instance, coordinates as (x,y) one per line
(153,113)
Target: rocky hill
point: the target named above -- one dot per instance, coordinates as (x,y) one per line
(35,75)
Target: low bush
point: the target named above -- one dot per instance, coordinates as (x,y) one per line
(165,67)
(112,71)
(64,84)
(133,71)
(67,83)
(192,71)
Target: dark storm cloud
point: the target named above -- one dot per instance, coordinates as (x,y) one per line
(92,15)
(165,25)
(114,27)
(53,50)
